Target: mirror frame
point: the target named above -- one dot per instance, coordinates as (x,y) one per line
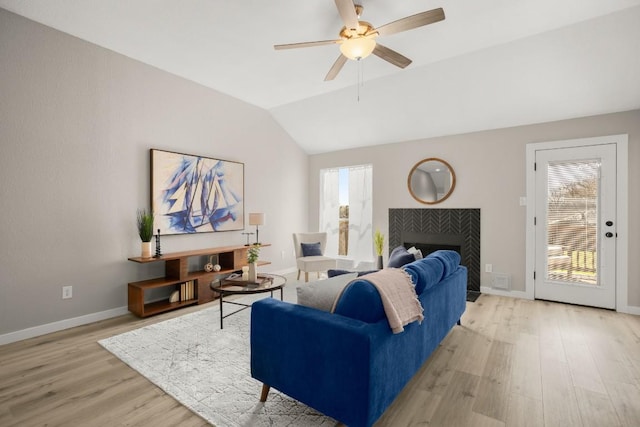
(448,193)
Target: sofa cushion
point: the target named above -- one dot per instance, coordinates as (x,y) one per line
(425,272)
(400,256)
(337,272)
(311,249)
(322,294)
(360,300)
(449,259)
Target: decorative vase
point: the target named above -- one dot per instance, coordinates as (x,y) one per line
(253,272)
(146,250)
(379,266)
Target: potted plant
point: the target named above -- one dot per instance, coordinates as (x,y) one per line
(252,258)
(378,241)
(145,231)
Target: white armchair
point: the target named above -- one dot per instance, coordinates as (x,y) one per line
(312,263)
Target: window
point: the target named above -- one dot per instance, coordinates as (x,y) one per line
(346,211)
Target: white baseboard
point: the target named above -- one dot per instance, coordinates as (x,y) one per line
(630,310)
(504,293)
(36,331)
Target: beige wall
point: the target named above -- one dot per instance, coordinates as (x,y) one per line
(76,125)
(490,175)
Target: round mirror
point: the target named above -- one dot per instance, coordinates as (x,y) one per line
(431,181)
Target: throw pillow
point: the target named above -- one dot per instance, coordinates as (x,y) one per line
(322,293)
(417,253)
(399,257)
(311,249)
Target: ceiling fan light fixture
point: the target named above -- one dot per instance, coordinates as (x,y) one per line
(357,48)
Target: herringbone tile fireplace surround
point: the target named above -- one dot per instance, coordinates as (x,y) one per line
(432,229)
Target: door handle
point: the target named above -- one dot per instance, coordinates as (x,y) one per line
(609,223)
(608,234)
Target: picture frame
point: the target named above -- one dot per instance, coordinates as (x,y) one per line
(195,194)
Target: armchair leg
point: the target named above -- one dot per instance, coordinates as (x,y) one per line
(298,275)
(306,276)
(265,392)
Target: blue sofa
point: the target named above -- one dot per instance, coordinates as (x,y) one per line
(349,365)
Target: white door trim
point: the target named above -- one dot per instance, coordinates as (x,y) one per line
(622,206)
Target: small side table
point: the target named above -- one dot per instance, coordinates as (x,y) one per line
(237,286)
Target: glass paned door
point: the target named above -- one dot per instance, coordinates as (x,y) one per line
(572,221)
(575,225)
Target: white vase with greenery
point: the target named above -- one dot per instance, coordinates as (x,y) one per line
(252,260)
(145,231)
(378,241)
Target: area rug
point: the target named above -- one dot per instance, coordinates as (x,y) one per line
(207,369)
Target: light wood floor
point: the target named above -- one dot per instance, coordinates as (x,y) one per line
(512,363)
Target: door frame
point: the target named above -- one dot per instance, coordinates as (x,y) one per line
(622,209)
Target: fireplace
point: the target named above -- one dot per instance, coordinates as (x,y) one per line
(433,229)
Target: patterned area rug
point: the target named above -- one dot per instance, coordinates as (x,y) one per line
(207,369)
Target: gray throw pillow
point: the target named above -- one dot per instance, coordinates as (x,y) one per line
(399,257)
(321,294)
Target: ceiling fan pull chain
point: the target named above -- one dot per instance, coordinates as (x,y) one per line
(360,80)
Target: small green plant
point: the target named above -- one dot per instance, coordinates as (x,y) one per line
(378,241)
(145,225)
(253,253)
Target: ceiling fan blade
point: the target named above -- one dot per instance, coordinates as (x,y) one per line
(335,68)
(411,22)
(347,11)
(391,56)
(305,44)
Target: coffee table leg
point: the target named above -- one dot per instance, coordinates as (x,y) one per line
(221,296)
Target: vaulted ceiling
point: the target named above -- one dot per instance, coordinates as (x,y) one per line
(489,64)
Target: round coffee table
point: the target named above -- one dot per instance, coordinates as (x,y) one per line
(237,286)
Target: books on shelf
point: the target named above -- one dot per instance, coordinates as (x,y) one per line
(187,290)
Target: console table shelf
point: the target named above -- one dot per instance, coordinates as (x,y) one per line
(230,259)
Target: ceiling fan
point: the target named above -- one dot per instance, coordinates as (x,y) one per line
(358,38)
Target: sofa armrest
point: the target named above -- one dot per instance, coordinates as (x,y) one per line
(318,358)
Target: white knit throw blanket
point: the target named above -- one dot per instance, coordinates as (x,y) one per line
(398,297)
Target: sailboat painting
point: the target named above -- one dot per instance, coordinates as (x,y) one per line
(195,194)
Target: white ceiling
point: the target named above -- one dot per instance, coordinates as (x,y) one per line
(489,64)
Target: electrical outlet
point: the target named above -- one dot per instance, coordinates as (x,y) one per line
(488,268)
(67,292)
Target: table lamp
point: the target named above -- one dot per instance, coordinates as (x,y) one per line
(256,219)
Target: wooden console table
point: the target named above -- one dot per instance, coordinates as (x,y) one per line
(177,274)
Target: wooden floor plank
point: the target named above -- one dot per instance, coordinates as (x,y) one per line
(625,398)
(462,390)
(597,409)
(495,382)
(558,395)
(523,411)
(525,373)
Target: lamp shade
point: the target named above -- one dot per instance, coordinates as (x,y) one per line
(357,47)
(256,219)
